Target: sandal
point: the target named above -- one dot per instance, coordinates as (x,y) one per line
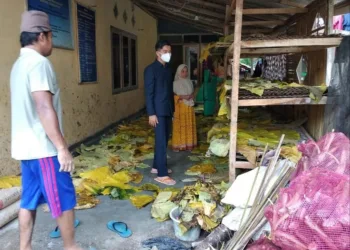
(165,180)
(57,233)
(120,228)
(155,171)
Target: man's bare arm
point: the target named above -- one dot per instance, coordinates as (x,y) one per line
(49,121)
(48,118)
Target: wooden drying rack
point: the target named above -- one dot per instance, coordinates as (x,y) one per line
(258,47)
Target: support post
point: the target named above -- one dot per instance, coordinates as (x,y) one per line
(329,31)
(330,14)
(235,88)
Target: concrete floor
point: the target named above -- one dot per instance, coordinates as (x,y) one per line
(93,233)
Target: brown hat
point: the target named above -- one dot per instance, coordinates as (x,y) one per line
(35,21)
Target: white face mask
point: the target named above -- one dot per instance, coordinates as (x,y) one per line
(166,57)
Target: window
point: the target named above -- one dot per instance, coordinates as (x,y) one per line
(124,61)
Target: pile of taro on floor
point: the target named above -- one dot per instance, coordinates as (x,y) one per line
(313,212)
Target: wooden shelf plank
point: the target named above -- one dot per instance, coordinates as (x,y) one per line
(244,165)
(274,51)
(222,45)
(281,101)
(302,42)
(264,11)
(282,46)
(260,23)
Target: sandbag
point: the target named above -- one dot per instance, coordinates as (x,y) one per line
(9,196)
(9,213)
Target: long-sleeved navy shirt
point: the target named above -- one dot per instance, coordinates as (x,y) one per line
(159,89)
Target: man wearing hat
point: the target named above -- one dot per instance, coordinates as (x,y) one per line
(37,138)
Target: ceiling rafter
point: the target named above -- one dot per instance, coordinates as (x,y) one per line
(197,26)
(186,21)
(184,14)
(216,14)
(268,17)
(262,4)
(207,4)
(293,4)
(190,18)
(189,8)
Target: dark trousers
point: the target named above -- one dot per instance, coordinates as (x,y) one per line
(162,134)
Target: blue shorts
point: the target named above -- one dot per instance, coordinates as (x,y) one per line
(43,183)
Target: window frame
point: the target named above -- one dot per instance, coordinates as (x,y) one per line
(122,34)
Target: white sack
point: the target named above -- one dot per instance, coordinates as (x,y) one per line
(233,219)
(237,195)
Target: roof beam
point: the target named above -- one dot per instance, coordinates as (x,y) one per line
(293,4)
(206,21)
(273,11)
(253,5)
(260,23)
(208,4)
(195,25)
(263,4)
(196,10)
(158,12)
(143,8)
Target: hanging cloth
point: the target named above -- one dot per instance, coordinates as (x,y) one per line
(338,22)
(346,22)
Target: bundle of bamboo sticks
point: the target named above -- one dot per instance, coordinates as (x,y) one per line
(267,194)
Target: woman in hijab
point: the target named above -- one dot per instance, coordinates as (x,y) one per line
(184,124)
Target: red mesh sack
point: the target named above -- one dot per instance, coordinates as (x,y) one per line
(263,244)
(313,213)
(331,152)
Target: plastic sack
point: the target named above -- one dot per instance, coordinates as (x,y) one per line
(10,181)
(331,152)
(313,212)
(220,147)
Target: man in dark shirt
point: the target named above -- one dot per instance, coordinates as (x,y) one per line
(160,108)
